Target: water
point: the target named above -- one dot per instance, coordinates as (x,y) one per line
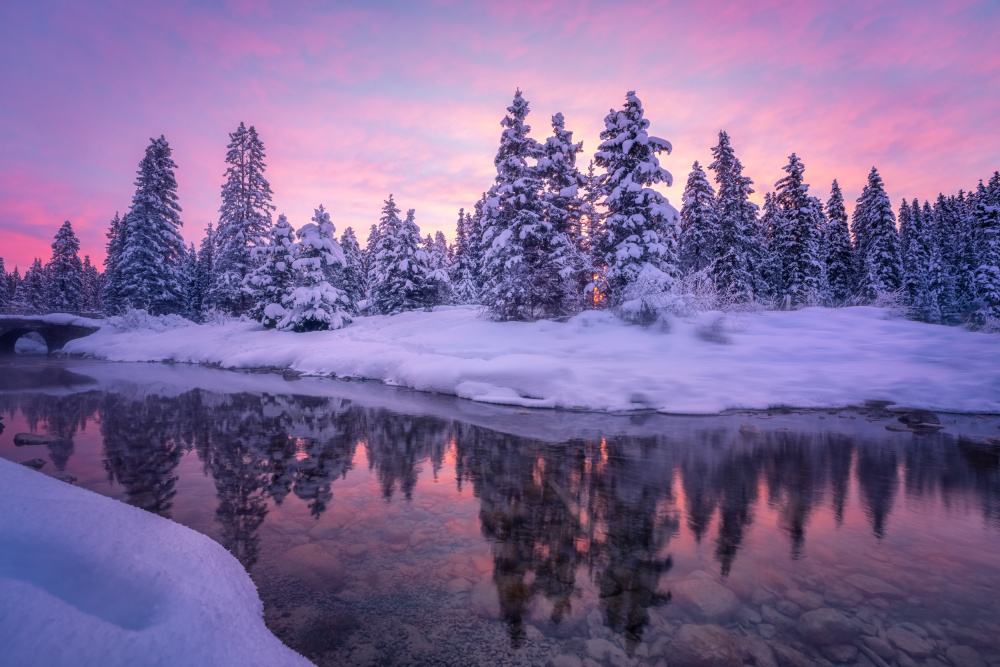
(387,527)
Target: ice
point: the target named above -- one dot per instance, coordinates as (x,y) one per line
(87,580)
(814,357)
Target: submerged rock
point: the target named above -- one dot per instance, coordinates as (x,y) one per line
(909,642)
(34,464)
(826,627)
(704,646)
(705,599)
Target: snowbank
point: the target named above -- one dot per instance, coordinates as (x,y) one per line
(86,580)
(814,357)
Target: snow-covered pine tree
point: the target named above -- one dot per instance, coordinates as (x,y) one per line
(189,266)
(149,268)
(369,253)
(877,241)
(5,295)
(589,241)
(111,289)
(91,287)
(840,262)
(638,245)
(699,223)
(272,280)
(400,265)
(563,209)
(14,290)
(382,282)
(439,289)
(204,277)
(945,238)
(244,218)
(796,243)
(354,278)
(463,281)
(917,263)
(522,281)
(315,304)
(987,226)
(31,292)
(64,288)
(477,247)
(741,261)
(940,282)
(966,254)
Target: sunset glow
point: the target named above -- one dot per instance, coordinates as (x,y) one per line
(358,100)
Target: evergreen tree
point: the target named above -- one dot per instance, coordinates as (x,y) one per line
(699,223)
(32,290)
(5,296)
(639,239)
(149,264)
(92,284)
(919,245)
(315,304)
(14,305)
(205,273)
(741,261)
(796,244)
(271,282)
(876,241)
(522,282)
(840,262)
(463,279)
(477,246)
(369,254)
(189,266)
(563,210)
(354,278)
(111,290)
(987,226)
(967,254)
(400,279)
(64,289)
(244,218)
(438,270)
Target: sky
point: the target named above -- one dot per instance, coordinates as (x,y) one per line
(357,100)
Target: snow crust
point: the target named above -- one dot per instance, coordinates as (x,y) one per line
(56,318)
(87,580)
(814,357)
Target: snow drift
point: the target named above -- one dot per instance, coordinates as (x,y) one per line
(87,580)
(814,357)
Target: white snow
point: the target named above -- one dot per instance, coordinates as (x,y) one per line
(814,357)
(56,318)
(87,580)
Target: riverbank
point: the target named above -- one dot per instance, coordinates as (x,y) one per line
(86,580)
(811,358)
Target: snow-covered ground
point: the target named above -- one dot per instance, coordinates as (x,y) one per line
(87,580)
(814,357)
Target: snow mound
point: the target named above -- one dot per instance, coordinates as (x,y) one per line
(810,358)
(87,580)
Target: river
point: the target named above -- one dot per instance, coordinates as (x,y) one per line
(387,527)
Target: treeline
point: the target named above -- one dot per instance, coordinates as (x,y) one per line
(546,241)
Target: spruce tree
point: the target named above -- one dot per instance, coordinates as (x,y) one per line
(14,305)
(741,260)
(477,246)
(315,304)
(987,226)
(149,265)
(521,281)
(919,245)
(192,309)
(463,281)
(383,264)
(65,289)
(699,223)
(369,253)
(563,210)
(354,278)
(92,284)
(967,255)
(797,240)
(205,273)
(5,295)
(111,294)
(439,287)
(840,261)
(400,279)
(876,241)
(244,218)
(271,282)
(32,290)
(638,245)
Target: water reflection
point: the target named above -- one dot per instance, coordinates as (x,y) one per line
(563,520)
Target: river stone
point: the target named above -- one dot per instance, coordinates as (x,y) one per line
(841,652)
(756,649)
(964,656)
(565,660)
(748,616)
(826,627)
(789,608)
(603,650)
(789,657)
(805,599)
(874,586)
(767,631)
(705,599)
(703,646)
(762,596)
(313,565)
(22,439)
(842,596)
(880,647)
(909,642)
(34,464)
(774,617)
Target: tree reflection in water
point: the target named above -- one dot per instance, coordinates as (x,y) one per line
(553,513)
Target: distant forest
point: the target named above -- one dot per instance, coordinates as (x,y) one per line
(546,240)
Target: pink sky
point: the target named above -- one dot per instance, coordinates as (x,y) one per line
(358,100)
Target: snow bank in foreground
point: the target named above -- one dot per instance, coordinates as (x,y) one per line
(814,357)
(86,580)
